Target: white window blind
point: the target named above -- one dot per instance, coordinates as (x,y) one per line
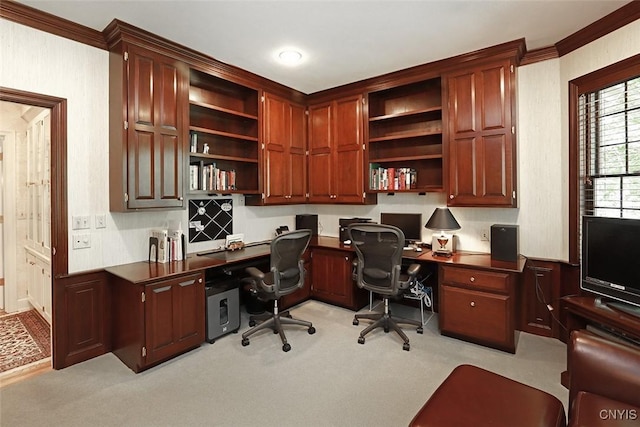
(609,137)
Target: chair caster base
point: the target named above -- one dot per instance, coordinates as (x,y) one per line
(311,330)
(245,342)
(356,322)
(252,323)
(286,347)
(420,330)
(406,346)
(360,340)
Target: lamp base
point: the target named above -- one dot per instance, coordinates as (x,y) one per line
(442,243)
(445,254)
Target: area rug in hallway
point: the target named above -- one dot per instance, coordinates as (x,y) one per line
(24,338)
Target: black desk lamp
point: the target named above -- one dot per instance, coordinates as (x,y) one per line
(441,243)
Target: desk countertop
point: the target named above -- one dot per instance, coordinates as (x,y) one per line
(141,272)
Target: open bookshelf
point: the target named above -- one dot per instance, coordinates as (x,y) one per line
(405,138)
(223,136)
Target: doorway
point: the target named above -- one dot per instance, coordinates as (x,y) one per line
(57,206)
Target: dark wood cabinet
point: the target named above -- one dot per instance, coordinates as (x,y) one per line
(336,152)
(481,121)
(540,291)
(224,154)
(406,138)
(285,147)
(158,320)
(478,305)
(148,110)
(82,318)
(332,279)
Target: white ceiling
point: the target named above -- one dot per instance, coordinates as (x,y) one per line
(342,41)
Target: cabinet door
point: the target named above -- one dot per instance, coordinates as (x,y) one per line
(349,150)
(321,168)
(331,277)
(478,316)
(482,140)
(174,317)
(540,289)
(157,105)
(285,151)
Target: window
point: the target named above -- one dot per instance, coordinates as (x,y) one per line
(604,146)
(609,137)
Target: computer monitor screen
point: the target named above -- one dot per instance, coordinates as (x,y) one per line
(409,223)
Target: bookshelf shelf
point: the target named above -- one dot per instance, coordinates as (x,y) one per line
(223,121)
(405,138)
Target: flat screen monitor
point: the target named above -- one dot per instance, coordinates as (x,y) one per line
(610,248)
(409,223)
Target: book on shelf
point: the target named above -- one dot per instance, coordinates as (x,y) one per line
(392,178)
(211,178)
(193,144)
(171,244)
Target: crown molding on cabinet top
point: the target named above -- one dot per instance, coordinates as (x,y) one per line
(26,15)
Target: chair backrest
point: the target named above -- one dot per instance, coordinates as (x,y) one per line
(287,264)
(379,248)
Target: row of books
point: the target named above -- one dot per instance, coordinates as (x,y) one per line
(211,178)
(381,178)
(171,245)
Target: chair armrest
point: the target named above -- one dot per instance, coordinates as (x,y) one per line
(603,367)
(254,272)
(413,269)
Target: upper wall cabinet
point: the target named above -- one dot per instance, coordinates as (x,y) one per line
(336,152)
(223,123)
(284,147)
(148,109)
(482,142)
(405,138)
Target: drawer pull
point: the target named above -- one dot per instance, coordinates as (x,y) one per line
(472,279)
(473,303)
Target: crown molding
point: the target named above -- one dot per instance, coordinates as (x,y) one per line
(603,26)
(539,55)
(31,17)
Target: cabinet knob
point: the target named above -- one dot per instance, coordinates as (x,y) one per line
(346,258)
(451,196)
(473,304)
(472,279)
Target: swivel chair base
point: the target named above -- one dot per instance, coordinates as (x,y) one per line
(275,321)
(387,322)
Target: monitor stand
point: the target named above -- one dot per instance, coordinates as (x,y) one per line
(629,309)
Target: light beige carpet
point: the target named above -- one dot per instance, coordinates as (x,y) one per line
(327,379)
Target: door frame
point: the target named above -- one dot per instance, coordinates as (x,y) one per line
(59,200)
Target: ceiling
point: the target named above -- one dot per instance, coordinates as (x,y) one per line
(341,41)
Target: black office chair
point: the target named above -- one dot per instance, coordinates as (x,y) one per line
(378,269)
(285,277)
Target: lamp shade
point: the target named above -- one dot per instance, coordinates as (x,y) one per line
(442,219)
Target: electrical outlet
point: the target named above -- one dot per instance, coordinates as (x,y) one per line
(80,222)
(101,221)
(484,234)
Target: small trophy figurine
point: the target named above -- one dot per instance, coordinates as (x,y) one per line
(205,148)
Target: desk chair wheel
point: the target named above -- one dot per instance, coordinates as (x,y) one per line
(311,330)
(356,322)
(406,346)
(252,323)
(360,340)
(286,347)
(386,329)
(245,342)
(420,330)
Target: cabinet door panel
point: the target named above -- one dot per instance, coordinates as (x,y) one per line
(320,154)
(297,154)
(348,176)
(159,315)
(462,94)
(168,113)
(463,166)
(349,161)
(493,98)
(494,179)
(170,157)
(477,315)
(189,301)
(141,90)
(141,166)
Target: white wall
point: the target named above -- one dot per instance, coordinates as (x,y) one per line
(51,65)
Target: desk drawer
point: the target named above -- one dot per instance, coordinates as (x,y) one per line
(476,279)
(477,316)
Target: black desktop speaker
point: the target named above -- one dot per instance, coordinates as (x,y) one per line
(504,242)
(307,221)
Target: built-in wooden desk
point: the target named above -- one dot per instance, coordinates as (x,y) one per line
(158,308)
